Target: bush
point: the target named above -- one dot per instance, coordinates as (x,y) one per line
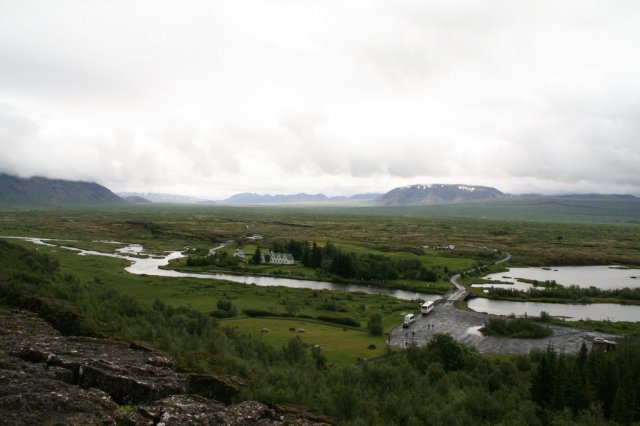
(522,328)
(375,324)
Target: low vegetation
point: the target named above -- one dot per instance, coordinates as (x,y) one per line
(203,323)
(521,328)
(443,382)
(564,294)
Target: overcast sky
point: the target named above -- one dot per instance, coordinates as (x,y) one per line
(210,98)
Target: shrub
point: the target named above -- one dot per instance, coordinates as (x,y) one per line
(522,328)
(375,324)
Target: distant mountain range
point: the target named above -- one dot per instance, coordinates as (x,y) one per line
(136,200)
(596,196)
(162,198)
(420,195)
(252,198)
(39,190)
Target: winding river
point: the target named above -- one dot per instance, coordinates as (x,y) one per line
(151,264)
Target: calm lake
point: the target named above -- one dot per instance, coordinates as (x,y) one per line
(594,311)
(604,277)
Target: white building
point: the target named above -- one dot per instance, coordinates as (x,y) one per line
(278,258)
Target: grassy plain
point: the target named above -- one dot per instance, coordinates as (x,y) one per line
(341,345)
(203,294)
(568,239)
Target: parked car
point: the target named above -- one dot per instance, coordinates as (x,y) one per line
(408,320)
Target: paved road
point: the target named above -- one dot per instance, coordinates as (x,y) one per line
(463,326)
(459,292)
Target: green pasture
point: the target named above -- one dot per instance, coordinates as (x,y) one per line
(340,345)
(203,294)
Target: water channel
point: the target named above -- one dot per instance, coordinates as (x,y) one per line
(151,264)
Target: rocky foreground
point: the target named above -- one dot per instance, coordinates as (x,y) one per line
(47,378)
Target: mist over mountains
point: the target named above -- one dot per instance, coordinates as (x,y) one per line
(43,191)
(39,190)
(252,198)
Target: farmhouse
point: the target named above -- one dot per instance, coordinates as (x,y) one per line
(239,254)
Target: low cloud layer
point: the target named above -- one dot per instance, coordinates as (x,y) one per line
(210,99)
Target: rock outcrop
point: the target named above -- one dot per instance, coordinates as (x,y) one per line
(47,378)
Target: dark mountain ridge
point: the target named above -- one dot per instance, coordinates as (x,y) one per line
(40,190)
(418,195)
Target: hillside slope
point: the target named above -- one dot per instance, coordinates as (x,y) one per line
(39,190)
(437,194)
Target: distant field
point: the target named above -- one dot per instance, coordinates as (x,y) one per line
(537,233)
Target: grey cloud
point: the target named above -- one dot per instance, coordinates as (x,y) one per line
(16,130)
(199,95)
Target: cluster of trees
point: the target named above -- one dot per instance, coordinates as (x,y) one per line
(578,382)
(331,260)
(443,382)
(224,309)
(348,265)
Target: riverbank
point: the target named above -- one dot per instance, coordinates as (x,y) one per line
(439,288)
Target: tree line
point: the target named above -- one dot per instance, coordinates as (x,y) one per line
(572,292)
(349,265)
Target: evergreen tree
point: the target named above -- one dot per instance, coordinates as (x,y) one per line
(375,324)
(257,256)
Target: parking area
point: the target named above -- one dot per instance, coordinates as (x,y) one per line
(463,326)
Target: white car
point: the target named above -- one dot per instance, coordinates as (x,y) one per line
(408,320)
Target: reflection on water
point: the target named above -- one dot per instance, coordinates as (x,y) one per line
(151,267)
(515,286)
(594,311)
(604,277)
